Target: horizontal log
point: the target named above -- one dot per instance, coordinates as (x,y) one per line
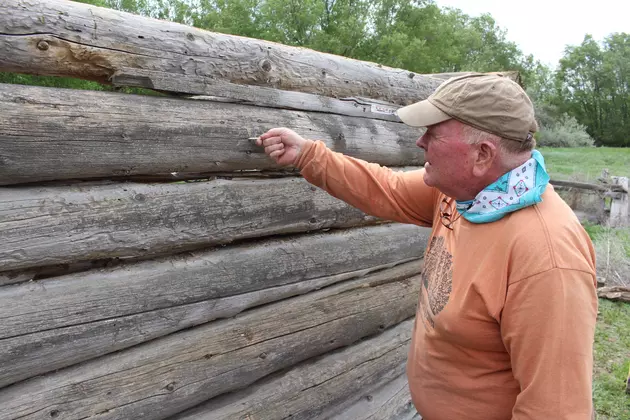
(615,293)
(103,294)
(315,386)
(392,401)
(263,96)
(179,292)
(34,354)
(55,134)
(587,186)
(169,375)
(48,226)
(55,37)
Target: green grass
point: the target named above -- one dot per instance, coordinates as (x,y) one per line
(611,350)
(612,360)
(586,163)
(598,231)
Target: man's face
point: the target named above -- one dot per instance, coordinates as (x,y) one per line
(448,160)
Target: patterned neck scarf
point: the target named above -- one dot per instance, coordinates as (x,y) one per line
(519,188)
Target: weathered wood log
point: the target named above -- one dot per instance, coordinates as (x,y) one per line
(169,375)
(58,322)
(586,186)
(86,297)
(34,354)
(47,226)
(57,37)
(49,134)
(315,386)
(255,95)
(615,293)
(392,401)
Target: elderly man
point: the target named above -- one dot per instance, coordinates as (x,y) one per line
(506,317)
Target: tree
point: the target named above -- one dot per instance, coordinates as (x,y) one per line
(593,82)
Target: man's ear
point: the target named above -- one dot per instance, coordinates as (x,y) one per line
(485,157)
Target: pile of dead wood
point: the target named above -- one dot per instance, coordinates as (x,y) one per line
(614,293)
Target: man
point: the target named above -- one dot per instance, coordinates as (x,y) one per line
(506,318)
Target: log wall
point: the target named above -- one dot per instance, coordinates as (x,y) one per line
(155,264)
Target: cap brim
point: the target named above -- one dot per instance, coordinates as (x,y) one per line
(422,114)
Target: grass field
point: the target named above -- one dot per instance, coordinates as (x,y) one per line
(612,335)
(586,163)
(612,360)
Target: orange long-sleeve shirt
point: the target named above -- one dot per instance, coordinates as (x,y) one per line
(506,316)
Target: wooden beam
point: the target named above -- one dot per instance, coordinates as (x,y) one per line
(316,386)
(203,89)
(55,37)
(587,186)
(169,375)
(25,356)
(60,225)
(57,134)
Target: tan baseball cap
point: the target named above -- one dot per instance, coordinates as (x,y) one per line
(488,102)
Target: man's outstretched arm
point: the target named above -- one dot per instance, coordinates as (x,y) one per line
(379,191)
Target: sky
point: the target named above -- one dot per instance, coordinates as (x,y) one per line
(544,27)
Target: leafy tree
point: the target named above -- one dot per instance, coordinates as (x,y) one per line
(593,82)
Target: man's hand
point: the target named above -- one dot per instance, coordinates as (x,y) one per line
(282,145)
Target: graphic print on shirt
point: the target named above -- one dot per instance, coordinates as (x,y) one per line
(437,281)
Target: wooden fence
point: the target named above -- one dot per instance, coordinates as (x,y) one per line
(154,264)
(613,206)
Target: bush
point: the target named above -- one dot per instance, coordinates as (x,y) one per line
(564,132)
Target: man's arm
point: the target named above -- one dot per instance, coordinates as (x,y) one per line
(548,326)
(379,191)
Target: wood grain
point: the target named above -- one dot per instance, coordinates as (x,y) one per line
(175,373)
(56,37)
(310,389)
(42,226)
(57,134)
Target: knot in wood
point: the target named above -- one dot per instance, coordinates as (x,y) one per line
(265,65)
(411,75)
(42,45)
(170,387)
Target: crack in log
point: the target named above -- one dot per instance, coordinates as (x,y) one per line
(61,38)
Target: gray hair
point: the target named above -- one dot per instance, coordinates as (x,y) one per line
(508,148)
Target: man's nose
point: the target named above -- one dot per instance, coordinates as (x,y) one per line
(422,142)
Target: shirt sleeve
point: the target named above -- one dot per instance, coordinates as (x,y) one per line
(376,190)
(548,327)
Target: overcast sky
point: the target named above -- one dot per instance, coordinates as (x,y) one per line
(544,27)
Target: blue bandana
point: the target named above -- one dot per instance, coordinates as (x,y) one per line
(519,188)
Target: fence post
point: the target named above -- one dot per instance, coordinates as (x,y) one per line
(620,206)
